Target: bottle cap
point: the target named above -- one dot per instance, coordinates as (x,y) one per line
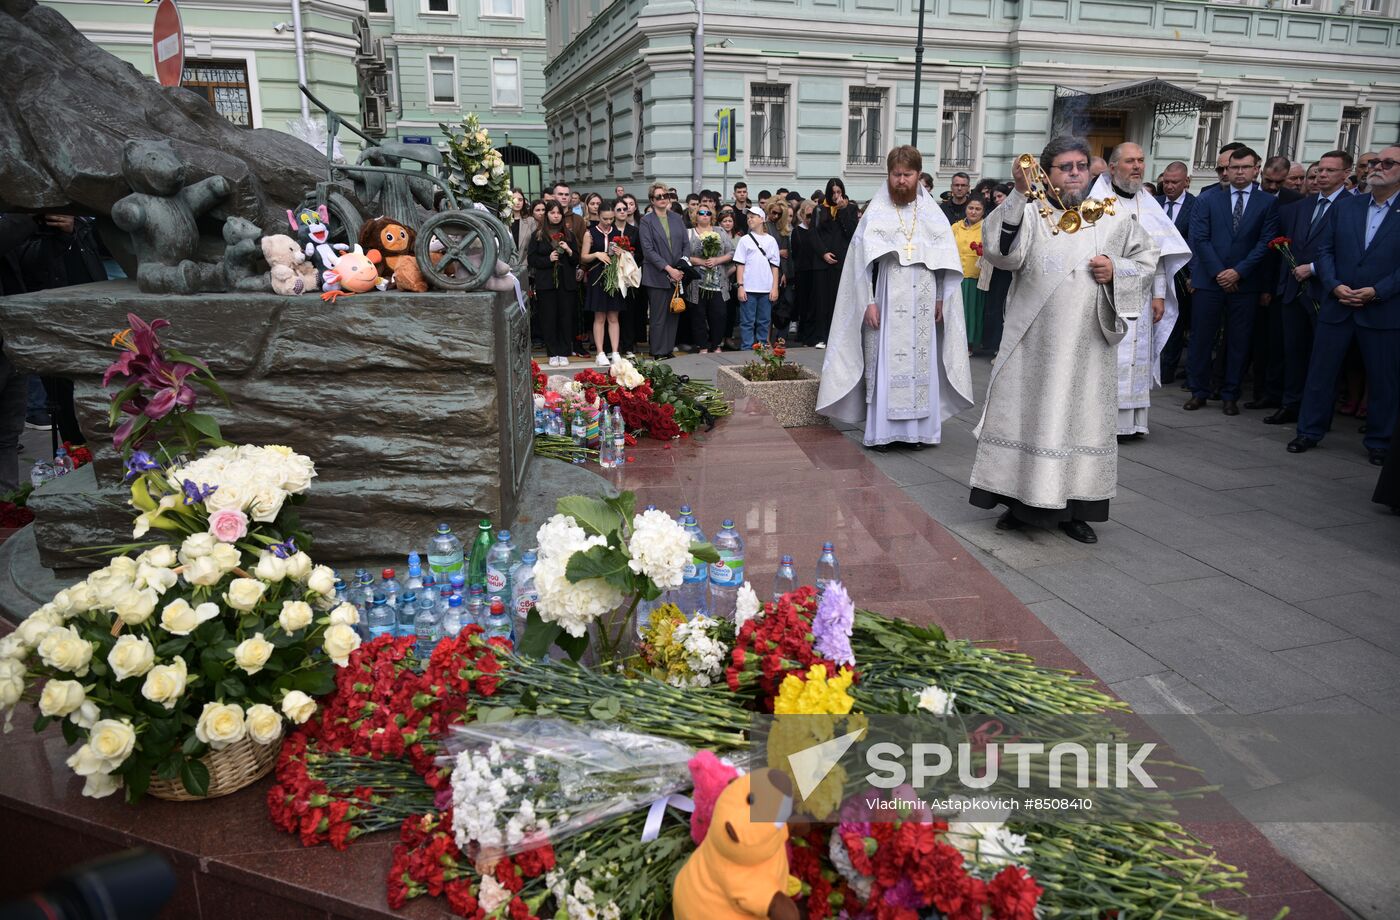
(787,560)
(414,559)
(529,557)
(387,573)
(728,524)
(685,509)
(443,528)
(478,588)
(458,580)
(503,536)
(486,524)
(410,597)
(379,598)
(415,569)
(826,546)
(498,606)
(455,600)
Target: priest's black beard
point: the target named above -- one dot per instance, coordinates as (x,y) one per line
(902,198)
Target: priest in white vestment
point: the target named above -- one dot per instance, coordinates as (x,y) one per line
(1140,352)
(896,357)
(1046,445)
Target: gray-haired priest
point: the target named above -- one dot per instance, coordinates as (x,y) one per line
(1047,447)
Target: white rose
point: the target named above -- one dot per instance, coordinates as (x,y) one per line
(65,649)
(295,615)
(180,619)
(341,639)
(11,682)
(197,545)
(203,571)
(229,495)
(220,724)
(12,647)
(244,593)
(746,605)
(251,654)
(61,697)
(154,577)
(321,580)
(112,741)
(163,556)
(135,606)
(85,761)
(81,597)
(108,581)
(299,567)
(165,683)
(227,556)
(86,715)
(101,785)
(480,179)
(264,724)
(345,613)
(266,503)
(131,656)
(298,707)
(936,700)
(63,603)
(297,473)
(32,631)
(270,568)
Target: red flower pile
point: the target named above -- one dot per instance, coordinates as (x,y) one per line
(779,643)
(79,454)
(824,892)
(539,377)
(639,412)
(12,515)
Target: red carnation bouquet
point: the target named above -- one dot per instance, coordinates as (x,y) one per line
(1284,247)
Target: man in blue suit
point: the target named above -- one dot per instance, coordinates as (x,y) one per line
(1358,263)
(1178,203)
(1300,293)
(1230,234)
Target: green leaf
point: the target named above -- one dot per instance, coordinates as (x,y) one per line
(136,782)
(232,688)
(42,723)
(118,401)
(624,504)
(705,552)
(170,766)
(204,424)
(572,646)
(606,709)
(600,562)
(316,682)
(193,747)
(539,636)
(195,777)
(70,732)
(592,515)
(172,647)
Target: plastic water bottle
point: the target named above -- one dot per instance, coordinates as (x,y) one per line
(453,619)
(380,618)
(41,472)
(481,548)
(578,431)
(389,584)
(364,588)
(339,592)
(425,630)
(497,619)
(556,423)
(523,593)
(541,422)
(444,553)
(727,575)
(458,586)
(403,613)
(827,569)
(498,565)
(695,586)
(413,581)
(62,463)
(605,442)
(476,605)
(786,579)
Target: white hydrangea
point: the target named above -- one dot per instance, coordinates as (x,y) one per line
(659,547)
(573,605)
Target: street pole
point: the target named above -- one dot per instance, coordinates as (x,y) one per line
(918,74)
(697,150)
(301,58)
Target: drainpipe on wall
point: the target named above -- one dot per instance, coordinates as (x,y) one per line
(301,57)
(697,150)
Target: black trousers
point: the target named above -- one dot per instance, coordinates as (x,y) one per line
(556,309)
(707,320)
(826,281)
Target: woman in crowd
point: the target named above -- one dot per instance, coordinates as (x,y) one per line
(968,235)
(836,220)
(779,226)
(708,295)
(553,258)
(600,247)
(592,208)
(522,227)
(804,266)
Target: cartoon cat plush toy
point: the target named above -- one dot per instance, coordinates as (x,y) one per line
(313,233)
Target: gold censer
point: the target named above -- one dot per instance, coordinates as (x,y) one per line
(1087,213)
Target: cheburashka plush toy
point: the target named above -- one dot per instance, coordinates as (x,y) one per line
(394,242)
(290,271)
(355,273)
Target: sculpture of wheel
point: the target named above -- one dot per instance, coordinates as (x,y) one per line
(344,220)
(457,250)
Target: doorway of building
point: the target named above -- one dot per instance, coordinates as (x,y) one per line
(1103,130)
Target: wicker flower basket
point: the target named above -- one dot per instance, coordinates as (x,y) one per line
(238,765)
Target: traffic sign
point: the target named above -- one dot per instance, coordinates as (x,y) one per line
(168,43)
(724,140)
(416,139)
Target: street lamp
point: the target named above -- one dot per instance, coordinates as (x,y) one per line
(918,74)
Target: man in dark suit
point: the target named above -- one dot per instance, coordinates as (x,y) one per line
(1266,350)
(1274,177)
(1300,293)
(663,246)
(1358,264)
(1178,203)
(1230,234)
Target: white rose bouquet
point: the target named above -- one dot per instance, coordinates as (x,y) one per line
(479,175)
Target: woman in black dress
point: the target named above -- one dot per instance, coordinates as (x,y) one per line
(553,259)
(836,220)
(804,266)
(600,247)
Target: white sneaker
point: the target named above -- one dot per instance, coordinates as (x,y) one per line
(601,360)
(616,356)
(821,344)
(556,361)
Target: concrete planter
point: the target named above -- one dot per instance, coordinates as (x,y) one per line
(792,402)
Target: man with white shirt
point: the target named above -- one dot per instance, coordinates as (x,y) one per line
(1178,203)
(1299,291)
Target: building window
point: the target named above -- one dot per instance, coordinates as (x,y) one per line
(225,85)
(578,148)
(637,148)
(958,146)
(505,83)
(502,9)
(442,79)
(1210,127)
(1300,4)
(864,132)
(1283,130)
(439,6)
(1373,7)
(1349,134)
(391,77)
(378,6)
(768,106)
(612,139)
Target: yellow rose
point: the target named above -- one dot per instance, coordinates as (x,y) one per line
(133,607)
(180,619)
(252,654)
(298,707)
(165,683)
(112,741)
(131,656)
(65,649)
(341,639)
(220,724)
(244,593)
(60,697)
(295,615)
(264,724)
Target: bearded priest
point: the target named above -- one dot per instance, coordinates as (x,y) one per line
(896,357)
(1046,445)
(1140,352)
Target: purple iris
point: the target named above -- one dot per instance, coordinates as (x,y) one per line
(138,463)
(195,494)
(284,550)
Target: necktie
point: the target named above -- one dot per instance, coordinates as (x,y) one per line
(1322,204)
(1171,207)
(1239,211)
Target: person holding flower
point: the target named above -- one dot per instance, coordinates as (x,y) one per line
(607,236)
(553,259)
(711,249)
(968,234)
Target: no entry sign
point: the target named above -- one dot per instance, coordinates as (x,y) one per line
(168,43)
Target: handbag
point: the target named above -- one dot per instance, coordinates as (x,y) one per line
(677,299)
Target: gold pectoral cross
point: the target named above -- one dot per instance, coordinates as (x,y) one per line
(909,250)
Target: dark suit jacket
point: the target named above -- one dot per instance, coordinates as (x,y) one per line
(1216,247)
(1181,218)
(1295,222)
(656,254)
(1344,258)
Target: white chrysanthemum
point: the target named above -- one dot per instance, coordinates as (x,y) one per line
(746,605)
(989,843)
(705,655)
(936,700)
(659,547)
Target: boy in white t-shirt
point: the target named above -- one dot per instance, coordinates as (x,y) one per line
(756,254)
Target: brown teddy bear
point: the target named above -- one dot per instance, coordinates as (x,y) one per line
(291,273)
(394,242)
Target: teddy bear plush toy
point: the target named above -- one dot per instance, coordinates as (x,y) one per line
(355,273)
(394,242)
(290,272)
(740,869)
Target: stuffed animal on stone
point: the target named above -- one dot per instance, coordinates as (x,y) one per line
(311,225)
(355,273)
(243,256)
(161,215)
(290,271)
(740,870)
(394,242)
